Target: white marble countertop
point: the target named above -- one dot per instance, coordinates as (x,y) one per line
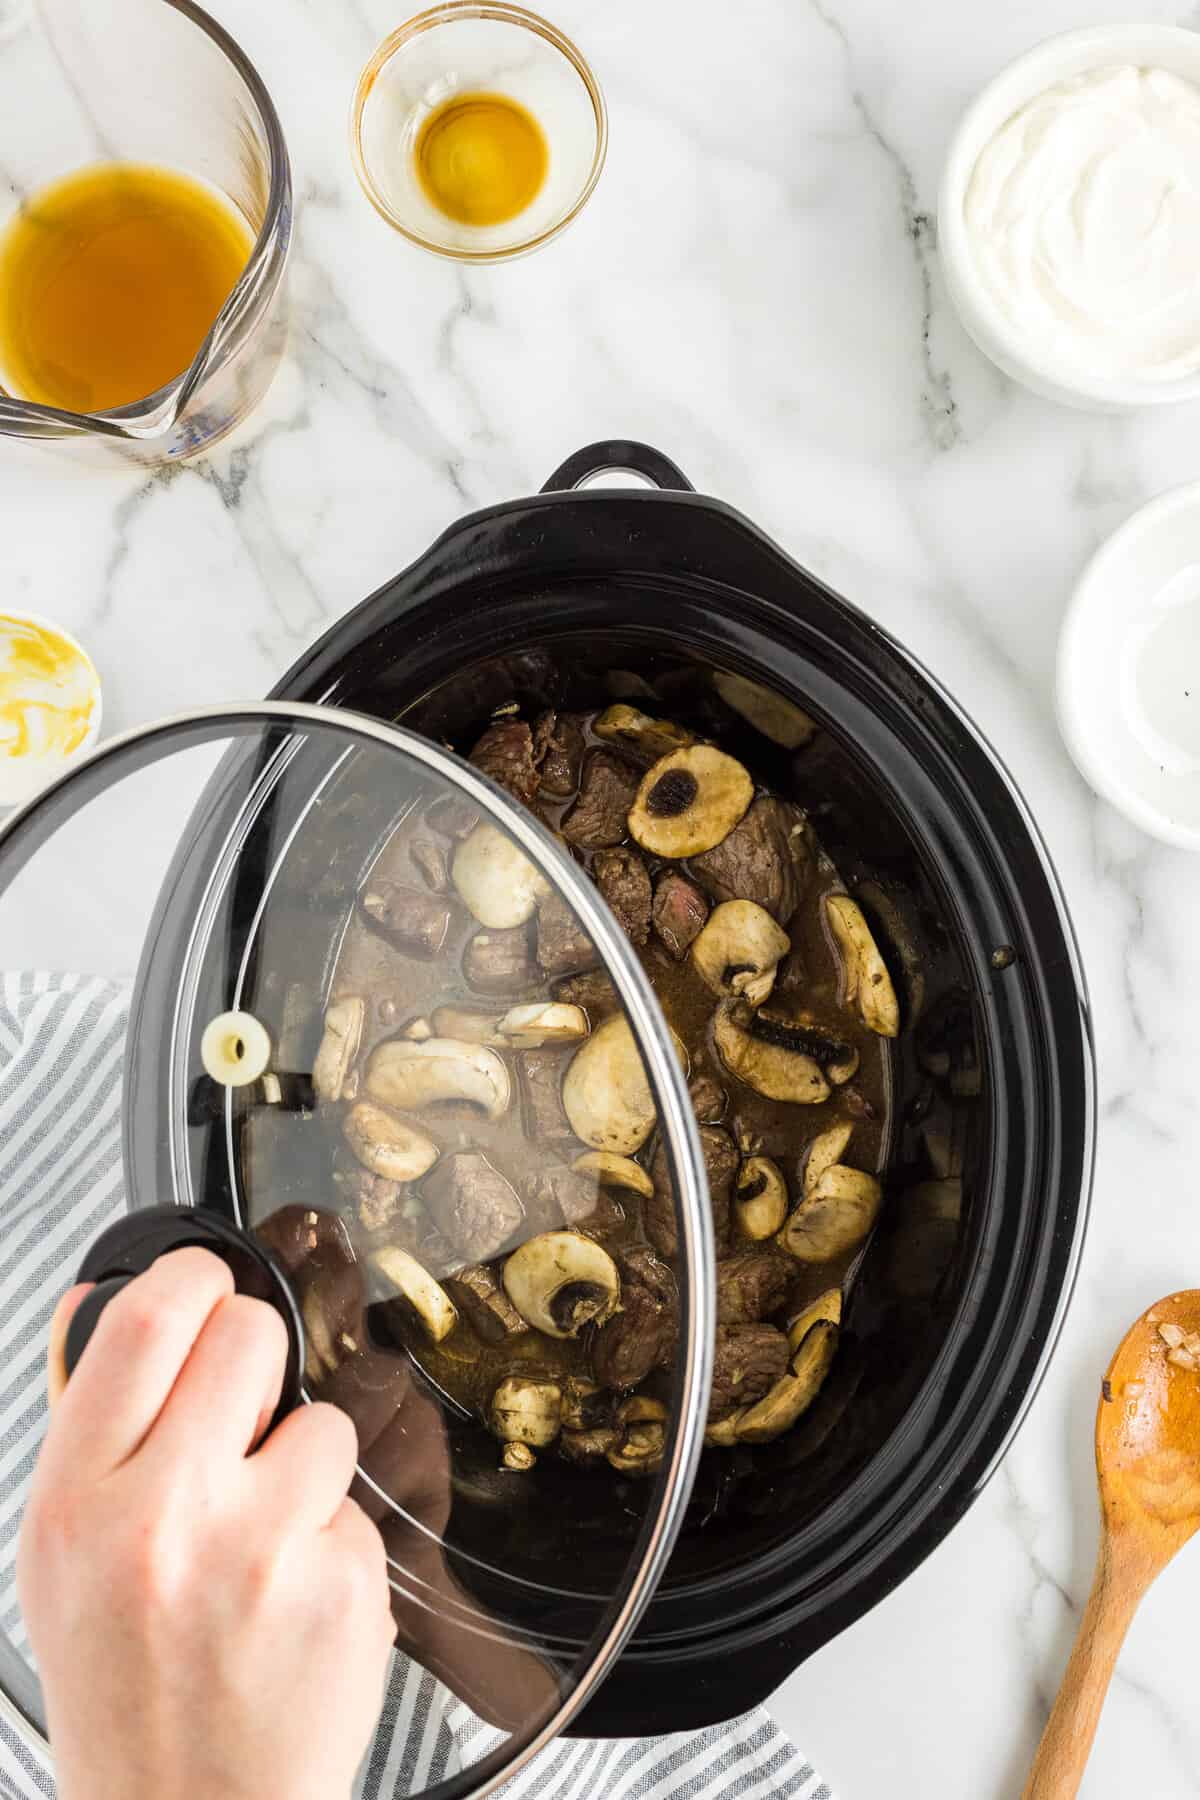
(754,289)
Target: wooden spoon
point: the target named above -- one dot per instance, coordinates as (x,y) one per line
(1148,1464)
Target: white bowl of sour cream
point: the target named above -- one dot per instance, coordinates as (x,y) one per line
(1069,217)
(50,703)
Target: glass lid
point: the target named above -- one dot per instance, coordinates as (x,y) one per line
(318,978)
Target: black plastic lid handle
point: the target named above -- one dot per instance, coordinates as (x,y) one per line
(129,1247)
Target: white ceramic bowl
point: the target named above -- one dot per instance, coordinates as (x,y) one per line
(15,789)
(1129,669)
(1073,53)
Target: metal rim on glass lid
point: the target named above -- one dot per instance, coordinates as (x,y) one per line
(335,930)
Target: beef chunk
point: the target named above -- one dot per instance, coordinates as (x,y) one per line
(414,921)
(416,1232)
(558,1197)
(392,1213)
(501,962)
(560,737)
(483,1302)
(708,1099)
(453,815)
(747,1362)
(639,1338)
(599,818)
(641,1268)
(430,858)
(765,858)
(680,910)
(505,752)
(720,1164)
(751,1285)
(377,1202)
(622,879)
(473,1204)
(593,991)
(563,946)
(540,1074)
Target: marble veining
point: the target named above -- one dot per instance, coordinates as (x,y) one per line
(754,288)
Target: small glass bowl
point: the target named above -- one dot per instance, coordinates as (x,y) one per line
(469,46)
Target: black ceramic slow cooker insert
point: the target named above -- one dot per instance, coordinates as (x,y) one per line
(575,598)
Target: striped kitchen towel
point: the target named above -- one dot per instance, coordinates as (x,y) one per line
(61,1044)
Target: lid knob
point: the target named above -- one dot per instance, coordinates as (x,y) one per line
(129,1246)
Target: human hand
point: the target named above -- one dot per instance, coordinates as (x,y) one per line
(207,1622)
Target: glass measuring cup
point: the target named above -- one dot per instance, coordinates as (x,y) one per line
(159,83)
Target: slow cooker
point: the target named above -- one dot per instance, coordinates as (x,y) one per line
(575,598)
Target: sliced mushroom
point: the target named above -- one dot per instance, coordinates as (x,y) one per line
(409,1076)
(497,881)
(826,1150)
(794,1392)
(426,1297)
(768,712)
(615,1171)
(588,1446)
(649,737)
(542,1022)
(761,1202)
(517,1456)
(339,1046)
(527,1412)
(606,1095)
(689,801)
(561,1281)
(836,1058)
(321,1355)
(773,1070)
(739,950)
(387,1146)
(642,1427)
(826,1306)
(584,1403)
(834,1218)
(721,1434)
(469,1024)
(866,977)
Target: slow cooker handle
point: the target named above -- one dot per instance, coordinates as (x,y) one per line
(620,455)
(129,1246)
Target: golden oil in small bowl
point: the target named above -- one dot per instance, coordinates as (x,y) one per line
(478,131)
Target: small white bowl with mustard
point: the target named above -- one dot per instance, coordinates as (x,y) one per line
(50,704)
(1069,217)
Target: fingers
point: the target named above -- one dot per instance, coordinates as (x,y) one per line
(228,1388)
(363,1560)
(56,1350)
(308,1463)
(141,1342)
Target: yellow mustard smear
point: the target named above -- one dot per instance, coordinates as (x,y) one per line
(48,695)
